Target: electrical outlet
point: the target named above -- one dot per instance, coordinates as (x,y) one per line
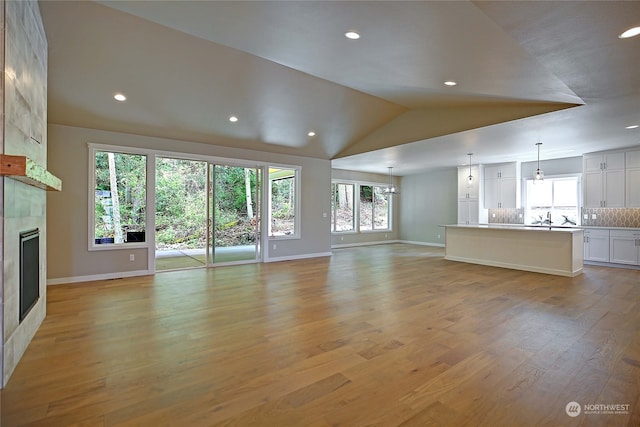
(493,215)
(385,235)
(342,239)
(324,214)
(593,216)
(274,246)
(585,216)
(438,236)
(132,257)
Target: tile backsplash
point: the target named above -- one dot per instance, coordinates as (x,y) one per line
(612,217)
(604,217)
(506,216)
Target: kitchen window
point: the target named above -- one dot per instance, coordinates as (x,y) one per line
(555,197)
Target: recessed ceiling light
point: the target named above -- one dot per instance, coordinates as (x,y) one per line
(311,133)
(450,83)
(352,35)
(233,119)
(631,32)
(631,127)
(120,97)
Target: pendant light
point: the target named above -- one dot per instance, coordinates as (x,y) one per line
(538,177)
(470,177)
(390,188)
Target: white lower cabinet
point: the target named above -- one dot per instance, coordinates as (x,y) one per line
(624,247)
(596,245)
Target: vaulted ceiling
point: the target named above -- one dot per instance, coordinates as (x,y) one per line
(526,72)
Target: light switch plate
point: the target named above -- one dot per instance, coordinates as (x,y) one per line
(593,216)
(585,216)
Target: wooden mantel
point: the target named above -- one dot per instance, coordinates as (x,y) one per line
(23,169)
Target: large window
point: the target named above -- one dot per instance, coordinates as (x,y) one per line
(369,211)
(119,197)
(373,208)
(283,202)
(342,212)
(554,197)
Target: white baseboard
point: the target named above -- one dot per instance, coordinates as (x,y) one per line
(352,245)
(94,277)
(294,257)
(610,264)
(511,266)
(411,242)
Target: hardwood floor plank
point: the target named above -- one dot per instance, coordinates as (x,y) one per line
(383,335)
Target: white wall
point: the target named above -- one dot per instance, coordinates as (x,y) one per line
(428,201)
(67,219)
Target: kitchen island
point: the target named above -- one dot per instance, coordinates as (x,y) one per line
(550,250)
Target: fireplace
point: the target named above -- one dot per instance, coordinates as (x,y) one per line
(29,270)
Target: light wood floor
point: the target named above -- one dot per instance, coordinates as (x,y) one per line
(383,335)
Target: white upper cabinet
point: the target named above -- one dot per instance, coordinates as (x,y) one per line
(501,186)
(604,180)
(466,191)
(633,179)
(502,170)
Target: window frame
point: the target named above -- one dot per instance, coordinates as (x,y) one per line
(357,208)
(353,203)
(576,176)
(91,198)
(373,196)
(297,202)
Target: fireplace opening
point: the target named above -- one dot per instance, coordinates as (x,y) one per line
(29,271)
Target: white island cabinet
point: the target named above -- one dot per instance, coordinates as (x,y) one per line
(556,251)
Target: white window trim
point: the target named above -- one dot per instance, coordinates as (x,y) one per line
(356,208)
(297,223)
(356,205)
(576,175)
(91,197)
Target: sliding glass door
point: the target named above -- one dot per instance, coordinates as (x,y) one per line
(181,213)
(205,214)
(234,212)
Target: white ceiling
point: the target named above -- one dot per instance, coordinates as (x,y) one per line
(526,71)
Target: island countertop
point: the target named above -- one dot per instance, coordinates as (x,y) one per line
(550,250)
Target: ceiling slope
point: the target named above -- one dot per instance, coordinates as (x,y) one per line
(285,68)
(183,87)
